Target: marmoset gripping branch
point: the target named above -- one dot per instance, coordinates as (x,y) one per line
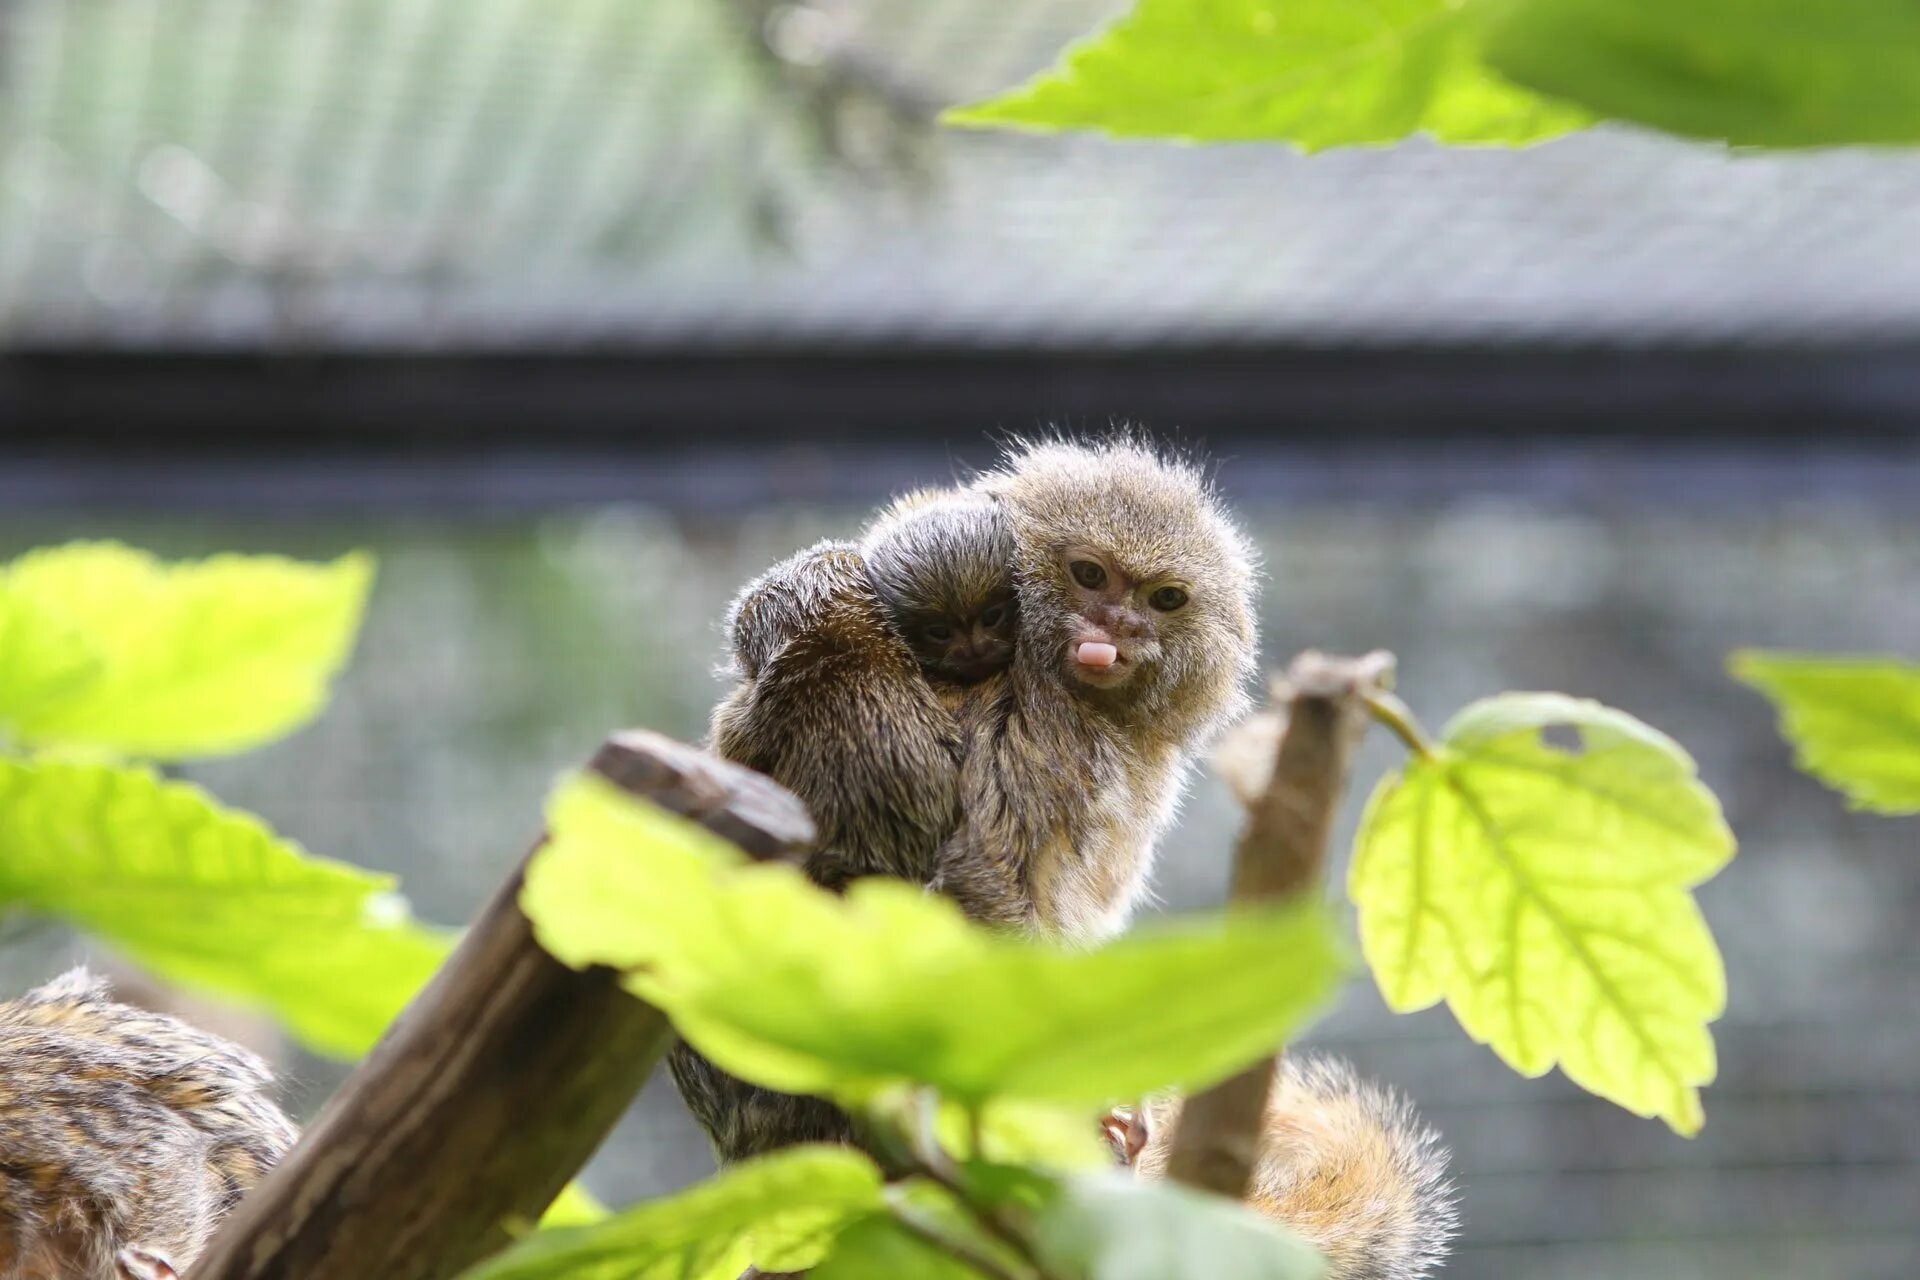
(495,1085)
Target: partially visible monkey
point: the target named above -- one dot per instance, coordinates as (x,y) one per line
(1345,1165)
(852,659)
(125,1136)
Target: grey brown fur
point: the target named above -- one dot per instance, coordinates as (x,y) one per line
(123,1134)
(1031,797)
(1068,783)
(836,704)
(1346,1165)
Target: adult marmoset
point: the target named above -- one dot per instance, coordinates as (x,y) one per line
(1135,645)
(125,1136)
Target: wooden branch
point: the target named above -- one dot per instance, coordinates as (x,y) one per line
(1321,713)
(495,1085)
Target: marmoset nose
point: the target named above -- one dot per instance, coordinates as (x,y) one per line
(1120,621)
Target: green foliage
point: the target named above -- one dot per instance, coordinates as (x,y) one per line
(782,1210)
(1854,722)
(1313,73)
(1542,892)
(1772,73)
(211,898)
(879,1248)
(804,991)
(1328,73)
(111,650)
(1112,1226)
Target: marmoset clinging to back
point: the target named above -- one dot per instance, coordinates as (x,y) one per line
(1345,1165)
(125,1136)
(1135,644)
(942,563)
(852,659)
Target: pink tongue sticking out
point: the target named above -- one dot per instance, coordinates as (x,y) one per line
(1092,653)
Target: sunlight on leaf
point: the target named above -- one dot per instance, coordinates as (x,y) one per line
(210,898)
(799,989)
(202,658)
(1776,73)
(785,1206)
(1854,722)
(1544,894)
(1314,73)
(575,1206)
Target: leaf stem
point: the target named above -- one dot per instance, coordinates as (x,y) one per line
(932,1233)
(938,1167)
(1389,710)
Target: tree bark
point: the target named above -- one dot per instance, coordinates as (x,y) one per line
(1282,853)
(495,1085)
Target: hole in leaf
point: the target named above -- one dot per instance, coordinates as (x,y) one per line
(1563,738)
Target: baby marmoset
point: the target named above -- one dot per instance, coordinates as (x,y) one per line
(853,659)
(125,1136)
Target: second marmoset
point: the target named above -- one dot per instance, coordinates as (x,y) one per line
(125,1136)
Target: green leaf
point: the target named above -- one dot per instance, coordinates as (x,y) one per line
(575,1206)
(804,991)
(1543,892)
(884,1248)
(1773,73)
(778,1208)
(1854,722)
(1111,1226)
(43,658)
(878,1248)
(203,658)
(210,898)
(1314,73)
(1015,1131)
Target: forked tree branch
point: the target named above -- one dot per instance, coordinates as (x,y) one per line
(1318,712)
(495,1085)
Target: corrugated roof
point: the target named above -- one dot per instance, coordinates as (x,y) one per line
(462,173)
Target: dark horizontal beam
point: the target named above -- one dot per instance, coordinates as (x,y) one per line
(699,429)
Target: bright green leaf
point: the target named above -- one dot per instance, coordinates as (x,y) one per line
(1111,1226)
(805,991)
(1314,73)
(782,1206)
(1016,1131)
(879,1248)
(1543,892)
(210,898)
(1854,722)
(202,658)
(575,1206)
(43,658)
(1776,73)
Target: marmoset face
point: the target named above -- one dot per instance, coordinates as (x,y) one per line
(967,645)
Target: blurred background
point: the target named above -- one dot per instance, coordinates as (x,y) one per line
(580,312)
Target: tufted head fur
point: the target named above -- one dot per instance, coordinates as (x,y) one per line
(941,561)
(1176,581)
